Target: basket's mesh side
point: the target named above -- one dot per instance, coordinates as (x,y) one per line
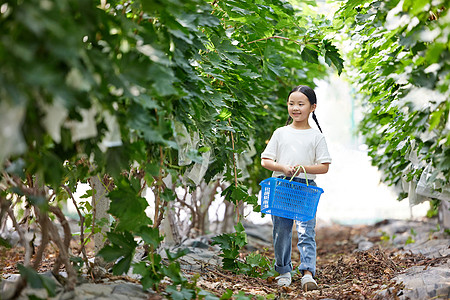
(265,196)
(291,200)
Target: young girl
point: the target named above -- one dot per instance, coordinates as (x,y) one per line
(291,146)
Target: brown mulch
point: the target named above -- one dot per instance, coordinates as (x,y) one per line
(10,258)
(342,272)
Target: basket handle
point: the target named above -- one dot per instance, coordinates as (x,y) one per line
(304,171)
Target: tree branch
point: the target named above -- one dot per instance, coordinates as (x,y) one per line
(43,245)
(23,240)
(213,194)
(158,193)
(235,173)
(80,215)
(63,254)
(67,234)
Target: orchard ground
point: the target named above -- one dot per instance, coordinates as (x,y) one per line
(354,262)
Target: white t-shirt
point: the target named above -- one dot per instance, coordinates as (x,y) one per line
(289,146)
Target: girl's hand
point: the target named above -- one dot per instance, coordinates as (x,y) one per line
(288,170)
(298,169)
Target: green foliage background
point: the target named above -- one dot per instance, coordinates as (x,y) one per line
(214,67)
(400,62)
(109,88)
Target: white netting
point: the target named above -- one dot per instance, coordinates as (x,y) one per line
(11,140)
(430,187)
(185,142)
(198,171)
(112,138)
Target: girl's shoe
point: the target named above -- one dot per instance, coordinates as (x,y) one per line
(284,279)
(308,283)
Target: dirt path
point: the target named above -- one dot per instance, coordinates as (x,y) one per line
(343,271)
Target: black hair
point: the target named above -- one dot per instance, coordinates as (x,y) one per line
(311,95)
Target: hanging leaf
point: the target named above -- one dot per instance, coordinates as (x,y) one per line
(332,56)
(127,206)
(37,281)
(121,250)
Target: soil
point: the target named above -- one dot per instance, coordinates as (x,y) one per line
(342,272)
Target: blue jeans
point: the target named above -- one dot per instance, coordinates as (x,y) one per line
(282,241)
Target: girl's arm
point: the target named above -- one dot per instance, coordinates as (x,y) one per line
(271,165)
(290,171)
(314,169)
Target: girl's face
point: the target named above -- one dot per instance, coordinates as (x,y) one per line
(299,107)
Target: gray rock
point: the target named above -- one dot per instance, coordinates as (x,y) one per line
(425,284)
(199,244)
(374,233)
(420,283)
(110,291)
(197,258)
(431,248)
(398,227)
(197,261)
(359,238)
(11,236)
(259,233)
(129,290)
(10,277)
(364,246)
(28,292)
(123,297)
(94,289)
(400,239)
(67,295)
(386,293)
(202,242)
(8,286)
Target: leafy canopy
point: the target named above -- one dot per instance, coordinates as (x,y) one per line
(400,60)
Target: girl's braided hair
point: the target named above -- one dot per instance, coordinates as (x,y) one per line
(308,92)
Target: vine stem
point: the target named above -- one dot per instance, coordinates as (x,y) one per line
(234,159)
(159,186)
(63,257)
(49,232)
(23,239)
(235,171)
(104,185)
(44,242)
(80,215)
(17,183)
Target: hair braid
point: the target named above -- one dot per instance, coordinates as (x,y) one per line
(317,122)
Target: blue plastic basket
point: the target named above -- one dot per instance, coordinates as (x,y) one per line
(289,199)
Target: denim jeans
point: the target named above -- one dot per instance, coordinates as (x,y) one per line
(282,241)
